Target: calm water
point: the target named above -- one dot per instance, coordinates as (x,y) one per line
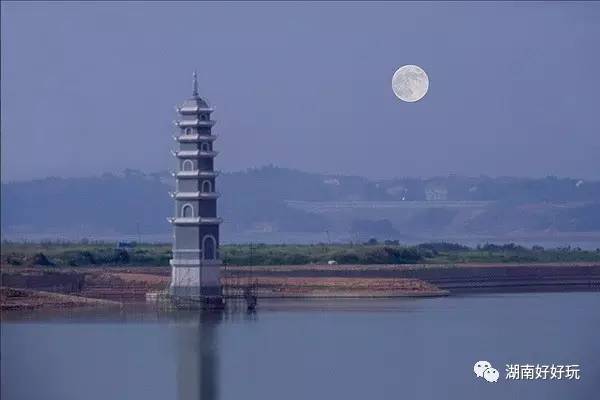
(343,349)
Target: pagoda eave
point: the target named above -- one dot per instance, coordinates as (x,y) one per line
(195,195)
(195,262)
(193,123)
(195,174)
(193,110)
(195,221)
(195,138)
(194,154)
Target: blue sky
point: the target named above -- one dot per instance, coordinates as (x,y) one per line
(91,87)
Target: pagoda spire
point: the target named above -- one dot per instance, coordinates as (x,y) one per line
(195,85)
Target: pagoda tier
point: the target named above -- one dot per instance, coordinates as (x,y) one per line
(195,220)
(194,123)
(195,174)
(195,138)
(195,195)
(194,109)
(195,153)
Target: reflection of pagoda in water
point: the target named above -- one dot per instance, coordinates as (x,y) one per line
(195,262)
(197,357)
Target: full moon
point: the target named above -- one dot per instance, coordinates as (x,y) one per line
(410,83)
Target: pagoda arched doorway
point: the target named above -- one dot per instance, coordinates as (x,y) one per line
(209,247)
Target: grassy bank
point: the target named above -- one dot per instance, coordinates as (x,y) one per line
(105,254)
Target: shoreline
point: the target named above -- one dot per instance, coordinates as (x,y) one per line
(110,286)
(457,278)
(13,299)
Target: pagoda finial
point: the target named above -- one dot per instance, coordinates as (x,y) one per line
(195,88)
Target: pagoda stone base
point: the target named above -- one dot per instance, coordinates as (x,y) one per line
(166,301)
(196,281)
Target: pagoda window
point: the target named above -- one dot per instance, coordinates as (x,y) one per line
(187,211)
(205,146)
(188,165)
(206,187)
(188,131)
(203,117)
(208,247)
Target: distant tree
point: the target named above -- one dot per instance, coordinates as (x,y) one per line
(444,246)
(41,259)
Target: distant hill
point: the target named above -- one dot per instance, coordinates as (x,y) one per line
(284,202)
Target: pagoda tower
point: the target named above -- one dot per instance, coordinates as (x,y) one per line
(195,263)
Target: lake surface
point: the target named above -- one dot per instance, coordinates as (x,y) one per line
(318,349)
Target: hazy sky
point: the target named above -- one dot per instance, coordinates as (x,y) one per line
(514,88)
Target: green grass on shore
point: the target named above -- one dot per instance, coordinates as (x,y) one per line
(147,255)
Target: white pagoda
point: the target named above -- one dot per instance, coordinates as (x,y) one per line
(195,263)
